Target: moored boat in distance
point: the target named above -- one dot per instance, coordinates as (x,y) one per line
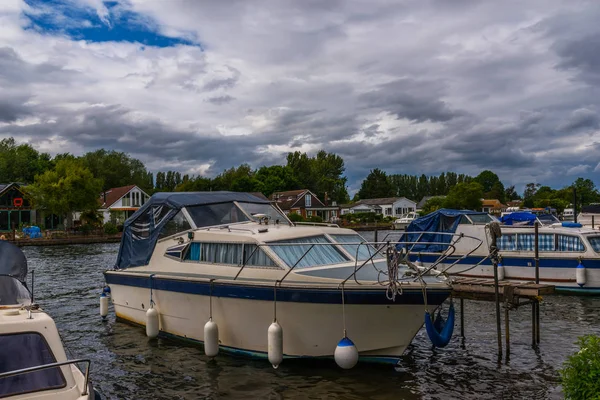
(405,220)
(231,271)
(33,362)
(569,255)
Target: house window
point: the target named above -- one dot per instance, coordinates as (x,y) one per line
(398,211)
(307,200)
(388,211)
(309,213)
(126,200)
(333,213)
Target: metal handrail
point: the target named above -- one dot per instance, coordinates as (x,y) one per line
(53,365)
(331,225)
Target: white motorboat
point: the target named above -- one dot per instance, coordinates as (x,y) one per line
(236,260)
(33,362)
(405,220)
(569,255)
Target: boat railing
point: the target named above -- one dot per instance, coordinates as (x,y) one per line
(53,365)
(378,248)
(329,224)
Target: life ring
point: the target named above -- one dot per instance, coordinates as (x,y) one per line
(18,202)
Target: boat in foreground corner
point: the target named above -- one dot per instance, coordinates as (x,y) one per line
(33,363)
(569,255)
(237,260)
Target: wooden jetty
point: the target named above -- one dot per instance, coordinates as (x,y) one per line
(511,294)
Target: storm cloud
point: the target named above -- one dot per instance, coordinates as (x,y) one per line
(411,87)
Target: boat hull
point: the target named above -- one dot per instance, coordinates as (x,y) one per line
(311,319)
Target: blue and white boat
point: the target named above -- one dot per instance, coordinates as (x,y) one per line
(237,260)
(569,255)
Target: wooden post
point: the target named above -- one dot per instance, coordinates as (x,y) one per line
(497,297)
(506,329)
(537,282)
(592,222)
(462,318)
(375,236)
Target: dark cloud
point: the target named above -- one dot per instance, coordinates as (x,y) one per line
(219,100)
(411,99)
(582,118)
(582,54)
(11,111)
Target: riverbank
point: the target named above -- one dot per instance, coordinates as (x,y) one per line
(67,240)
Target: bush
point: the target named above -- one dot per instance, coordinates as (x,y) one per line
(580,375)
(110,228)
(295,217)
(315,218)
(86,229)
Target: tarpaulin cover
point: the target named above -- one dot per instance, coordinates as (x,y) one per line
(13,272)
(141,231)
(525,218)
(440,221)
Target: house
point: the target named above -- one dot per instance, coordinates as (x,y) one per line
(118,204)
(492,206)
(388,206)
(305,203)
(15,207)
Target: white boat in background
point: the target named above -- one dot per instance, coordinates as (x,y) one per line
(236,260)
(405,220)
(33,362)
(569,255)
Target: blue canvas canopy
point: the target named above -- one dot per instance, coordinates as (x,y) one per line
(526,217)
(142,230)
(440,221)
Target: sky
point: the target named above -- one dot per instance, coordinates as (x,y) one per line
(413,87)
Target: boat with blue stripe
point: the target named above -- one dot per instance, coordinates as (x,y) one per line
(231,271)
(569,255)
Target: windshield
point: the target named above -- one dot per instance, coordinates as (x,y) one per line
(364,251)
(480,218)
(547,219)
(257,210)
(216,214)
(299,251)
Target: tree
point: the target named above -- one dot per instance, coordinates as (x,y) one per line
(465,196)
(21,163)
(511,194)
(117,169)
(492,187)
(586,191)
(66,188)
(376,185)
(433,204)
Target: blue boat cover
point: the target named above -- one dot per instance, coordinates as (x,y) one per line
(510,219)
(141,231)
(440,221)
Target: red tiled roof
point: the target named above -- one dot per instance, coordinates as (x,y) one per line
(112,195)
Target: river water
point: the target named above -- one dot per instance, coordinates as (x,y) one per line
(127,365)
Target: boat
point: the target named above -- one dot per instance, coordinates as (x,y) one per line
(235,261)
(569,254)
(405,220)
(33,362)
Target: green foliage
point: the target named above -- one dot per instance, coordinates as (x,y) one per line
(416,187)
(491,185)
(315,218)
(464,196)
(580,374)
(376,185)
(295,217)
(117,169)
(433,204)
(21,163)
(110,228)
(92,218)
(511,194)
(68,187)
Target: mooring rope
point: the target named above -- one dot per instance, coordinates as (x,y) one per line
(394,287)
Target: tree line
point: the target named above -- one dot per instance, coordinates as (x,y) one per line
(66,183)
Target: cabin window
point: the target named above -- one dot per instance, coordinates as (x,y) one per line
(569,243)
(546,242)
(178,223)
(507,242)
(595,242)
(216,214)
(464,220)
(228,253)
(292,250)
(364,251)
(25,350)
(480,218)
(526,242)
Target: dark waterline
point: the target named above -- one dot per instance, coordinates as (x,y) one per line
(126,365)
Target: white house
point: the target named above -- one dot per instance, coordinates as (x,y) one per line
(118,204)
(388,206)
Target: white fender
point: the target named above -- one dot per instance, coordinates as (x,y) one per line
(152,323)
(345,354)
(275,344)
(211,338)
(580,274)
(103,305)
